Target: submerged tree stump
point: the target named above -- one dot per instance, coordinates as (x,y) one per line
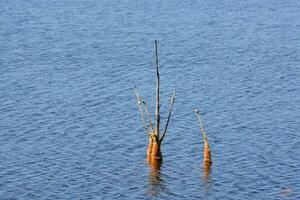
(154,155)
(207,161)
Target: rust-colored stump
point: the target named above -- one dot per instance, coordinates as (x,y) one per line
(207,161)
(154,155)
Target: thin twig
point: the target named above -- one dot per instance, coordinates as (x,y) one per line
(169,116)
(148,114)
(201,125)
(141,109)
(157,91)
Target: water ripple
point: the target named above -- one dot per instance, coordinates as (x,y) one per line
(70,128)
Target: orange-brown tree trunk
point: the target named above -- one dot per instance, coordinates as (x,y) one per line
(207,156)
(154,155)
(149,150)
(207,161)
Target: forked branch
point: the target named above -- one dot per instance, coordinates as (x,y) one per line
(154,154)
(143,104)
(148,115)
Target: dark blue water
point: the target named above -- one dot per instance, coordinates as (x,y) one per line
(69,125)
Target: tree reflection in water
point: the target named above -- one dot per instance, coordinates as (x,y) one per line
(206,173)
(207,180)
(156,186)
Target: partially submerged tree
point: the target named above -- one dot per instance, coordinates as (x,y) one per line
(206,154)
(154,154)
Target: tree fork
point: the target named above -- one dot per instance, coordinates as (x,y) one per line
(154,154)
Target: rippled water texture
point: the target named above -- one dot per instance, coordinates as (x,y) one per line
(69,125)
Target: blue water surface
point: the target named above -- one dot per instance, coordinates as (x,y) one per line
(69,124)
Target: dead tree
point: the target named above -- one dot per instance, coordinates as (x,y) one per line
(154,155)
(206,152)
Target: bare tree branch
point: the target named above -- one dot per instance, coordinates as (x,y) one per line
(169,116)
(148,114)
(138,98)
(157,91)
(201,125)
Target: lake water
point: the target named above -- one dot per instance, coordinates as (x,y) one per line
(70,127)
